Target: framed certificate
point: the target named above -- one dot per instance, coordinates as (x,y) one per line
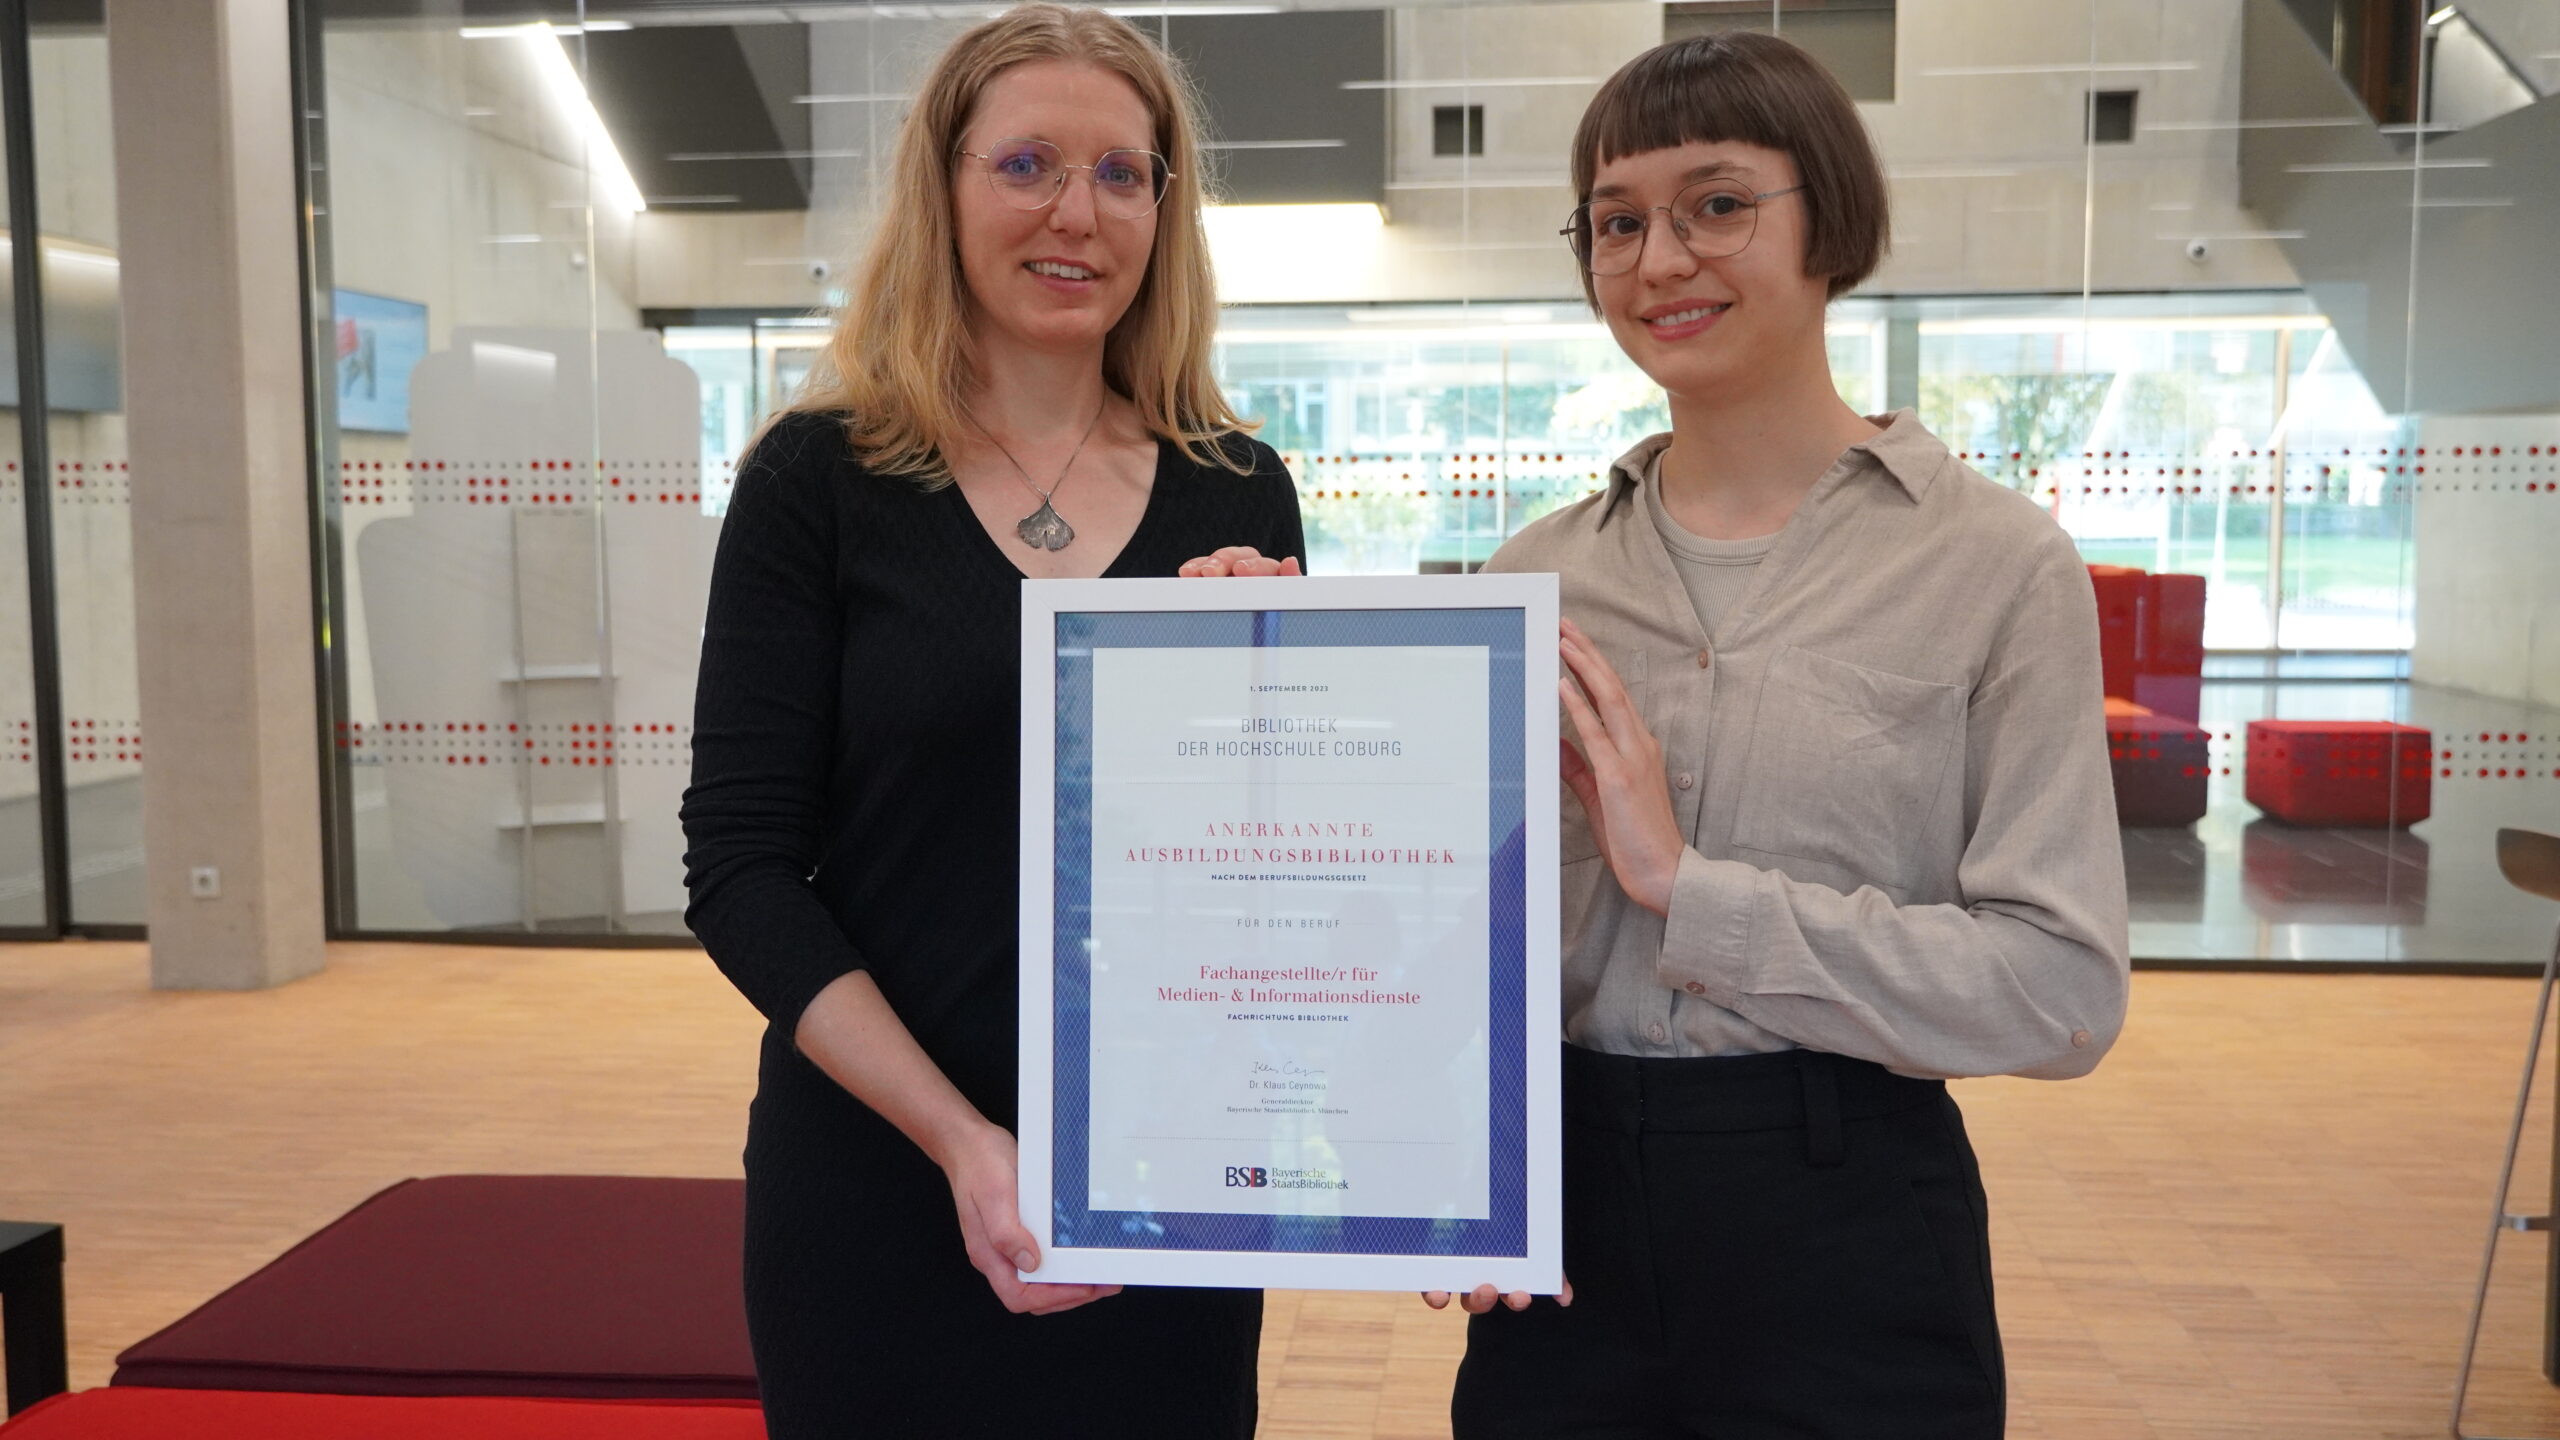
(1289,932)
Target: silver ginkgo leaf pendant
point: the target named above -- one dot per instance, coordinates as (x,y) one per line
(1044,529)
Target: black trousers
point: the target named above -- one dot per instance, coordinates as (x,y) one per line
(1762,1247)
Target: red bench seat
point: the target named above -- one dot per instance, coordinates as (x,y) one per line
(149,1414)
(580,1286)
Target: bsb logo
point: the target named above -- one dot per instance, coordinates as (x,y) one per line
(1247,1177)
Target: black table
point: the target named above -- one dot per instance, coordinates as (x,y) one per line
(38,1355)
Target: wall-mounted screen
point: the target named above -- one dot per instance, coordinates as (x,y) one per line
(379,340)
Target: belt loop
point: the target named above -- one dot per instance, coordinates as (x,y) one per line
(1823,1142)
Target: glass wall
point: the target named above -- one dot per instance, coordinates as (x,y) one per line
(70,735)
(23,797)
(92,509)
(2229,306)
(496,433)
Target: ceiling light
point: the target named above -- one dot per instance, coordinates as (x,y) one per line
(569,92)
(1489,82)
(1262,252)
(501,32)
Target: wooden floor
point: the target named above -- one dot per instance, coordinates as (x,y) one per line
(2258,1219)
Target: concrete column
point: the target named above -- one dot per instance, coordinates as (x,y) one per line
(213,381)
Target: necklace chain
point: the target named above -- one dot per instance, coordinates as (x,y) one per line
(1044,528)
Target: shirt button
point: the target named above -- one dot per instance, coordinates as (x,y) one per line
(1695,988)
(2079,1039)
(1659,1034)
(1704,659)
(1685,780)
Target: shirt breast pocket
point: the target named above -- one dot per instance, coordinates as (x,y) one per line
(1847,765)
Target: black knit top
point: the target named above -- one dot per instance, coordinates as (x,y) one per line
(854,802)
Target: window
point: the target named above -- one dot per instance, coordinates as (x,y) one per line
(2111,117)
(1457,129)
(1853,39)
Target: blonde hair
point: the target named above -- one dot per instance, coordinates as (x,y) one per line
(902,355)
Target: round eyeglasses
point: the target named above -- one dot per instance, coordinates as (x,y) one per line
(1712,219)
(1029,174)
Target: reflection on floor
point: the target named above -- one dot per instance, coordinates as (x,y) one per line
(2241,887)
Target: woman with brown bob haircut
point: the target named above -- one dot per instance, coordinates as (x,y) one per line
(1841,824)
(1019,387)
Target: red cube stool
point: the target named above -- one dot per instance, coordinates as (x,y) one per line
(146,1414)
(2179,696)
(2345,773)
(584,1286)
(2160,766)
(2120,591)
(2169,664)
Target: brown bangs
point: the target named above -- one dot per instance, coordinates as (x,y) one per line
(1755,89)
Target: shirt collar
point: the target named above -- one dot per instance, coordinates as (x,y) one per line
(1904,449)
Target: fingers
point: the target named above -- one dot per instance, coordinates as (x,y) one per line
(994,1235)
(1245,560)
(1034,1297)
(1569,760)
(1590,668)
(1003,1277)
(1484,1297)
(1584,782)
(1579,777)
(999,1245)
(1005,1233)
(1050,1299)
(1586,723)
(1237,560)
(1010,1291)
(1600,681)
(1008,1249)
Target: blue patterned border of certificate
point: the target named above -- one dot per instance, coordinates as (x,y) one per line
(1505,1231)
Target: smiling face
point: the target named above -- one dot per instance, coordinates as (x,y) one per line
(1709,330)
(1059,277)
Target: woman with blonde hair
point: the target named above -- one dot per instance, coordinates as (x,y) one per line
(1020,387)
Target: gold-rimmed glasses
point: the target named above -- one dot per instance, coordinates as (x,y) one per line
(1712,219)
(1030,174)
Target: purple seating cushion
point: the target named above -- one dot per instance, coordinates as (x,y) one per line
(594,1287)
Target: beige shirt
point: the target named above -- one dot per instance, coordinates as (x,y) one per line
(1716,573)
(1892,774)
